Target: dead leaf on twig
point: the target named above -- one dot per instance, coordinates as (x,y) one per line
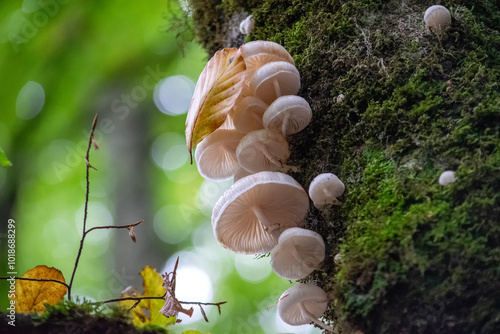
(172,305)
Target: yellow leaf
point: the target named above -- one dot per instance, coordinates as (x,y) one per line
(147,312)
(193,332)
(32,295)
(217,89)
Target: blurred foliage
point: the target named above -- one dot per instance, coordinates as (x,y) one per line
(105,57)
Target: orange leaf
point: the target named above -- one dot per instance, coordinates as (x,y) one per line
(217,89)
(32,295)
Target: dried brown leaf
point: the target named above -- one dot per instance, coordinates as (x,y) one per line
(217,90)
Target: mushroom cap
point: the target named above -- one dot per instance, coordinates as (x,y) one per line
(280,199)
(298,253)
(447,177)
(240,173)
(298,111)
(216,155)
(312,298)
(324,189)
(437,18)
(247,25)
(257,53)
(252,149)
(284,74)
(247,114)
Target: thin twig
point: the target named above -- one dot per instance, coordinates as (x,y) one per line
(113,226)
(162,298)
(94,123)
(198,303)
(37,280)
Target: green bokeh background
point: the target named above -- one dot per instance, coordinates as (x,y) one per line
(89,56)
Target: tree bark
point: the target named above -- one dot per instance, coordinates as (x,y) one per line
(417,257)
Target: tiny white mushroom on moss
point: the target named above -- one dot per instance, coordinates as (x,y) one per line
(247,25)
(288,114)
(303,304)
(325,189)
(299,252)
(250,216)
(447,177)
(337,259)
(437,18)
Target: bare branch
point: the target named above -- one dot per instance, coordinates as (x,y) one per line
(113,226)
(91,137)
(37,280)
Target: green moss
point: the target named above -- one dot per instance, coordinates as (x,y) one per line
(82,317)
(417,257)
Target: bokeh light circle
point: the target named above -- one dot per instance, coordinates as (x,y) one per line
(173,95)
(30,100)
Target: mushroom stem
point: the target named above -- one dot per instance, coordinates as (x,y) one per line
(268,155)
(308,314)
(284,125)
(272,229)
(277,88)
(330,199)
(301,259)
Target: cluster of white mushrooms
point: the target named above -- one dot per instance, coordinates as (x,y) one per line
(253,137)
(263,209)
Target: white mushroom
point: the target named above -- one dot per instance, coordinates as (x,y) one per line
(252,213)
(437,18)
(247,114)
(216,155)
(263,150)
(303,304)
(288,114)
(447,177)
(325,189)
(247,25)
(275,79)
(258,53)
(298,253)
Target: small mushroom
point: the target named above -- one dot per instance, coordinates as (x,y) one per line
(303,304)
(252,213)
(216,155)
(298,253)
(247,25)
(447,177)
(258,53)
(263,150)
(275,79)
(325,189)
(247,114)
(288,114)
(437,18)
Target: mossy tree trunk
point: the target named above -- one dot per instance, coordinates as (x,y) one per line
(417,257)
